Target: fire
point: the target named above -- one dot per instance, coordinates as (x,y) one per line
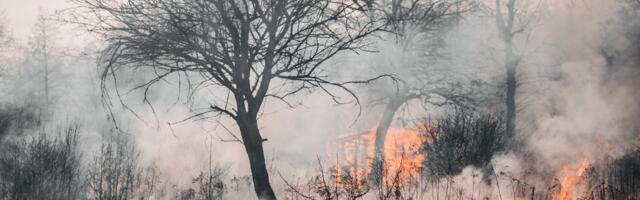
(403,159)
(571,181)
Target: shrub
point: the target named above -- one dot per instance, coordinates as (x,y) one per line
(210,184)
(615,179)
(115,174)
(459,139)
(14,119)
(41,167)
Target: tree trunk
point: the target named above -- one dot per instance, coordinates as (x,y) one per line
(505,27)
(510,100)
(381,134)
(252,141)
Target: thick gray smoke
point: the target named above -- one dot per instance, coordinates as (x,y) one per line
(576,106)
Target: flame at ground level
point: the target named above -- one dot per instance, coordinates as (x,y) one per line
(404,161)
(402,157)
(570,180)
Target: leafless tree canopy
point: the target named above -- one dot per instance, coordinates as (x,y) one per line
(240,46)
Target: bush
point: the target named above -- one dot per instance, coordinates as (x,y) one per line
(459,139)
(115,174)
(615,179)
(14,119)
(41,168)
(210,184)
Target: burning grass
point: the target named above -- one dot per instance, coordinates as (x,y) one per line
(402,153)
(430,161)
(570,181)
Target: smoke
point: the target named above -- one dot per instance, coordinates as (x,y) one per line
(573,105)
(582,108)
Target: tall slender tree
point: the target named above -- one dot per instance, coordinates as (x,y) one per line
(509,26)
(41,48)
(248,50)
(44,58)
(5,40)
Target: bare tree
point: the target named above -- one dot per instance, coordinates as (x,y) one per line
(416,30)
(44,60)
(510,22)
(116,174)
(242,48)
(210,183)
(5,40)
(41,41)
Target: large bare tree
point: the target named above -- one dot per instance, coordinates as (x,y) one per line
(248,49)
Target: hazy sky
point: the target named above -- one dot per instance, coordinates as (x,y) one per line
(20,15)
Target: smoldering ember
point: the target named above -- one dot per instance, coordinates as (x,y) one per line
(320,99)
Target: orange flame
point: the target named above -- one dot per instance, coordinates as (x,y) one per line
(403,159)
(571,181)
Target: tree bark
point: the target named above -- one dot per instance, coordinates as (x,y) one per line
(252,141)
(381,134)
(505,28)
(510,99)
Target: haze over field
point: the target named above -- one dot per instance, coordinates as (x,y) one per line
(320,99)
